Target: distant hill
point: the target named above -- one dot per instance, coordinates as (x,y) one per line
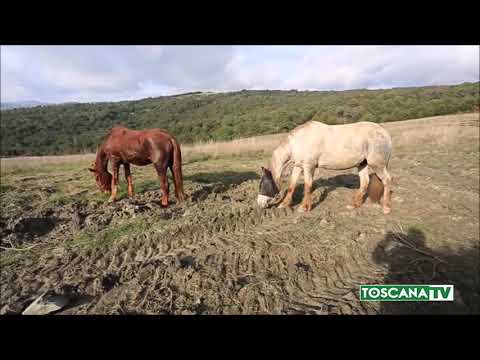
(21,104)
(192,117)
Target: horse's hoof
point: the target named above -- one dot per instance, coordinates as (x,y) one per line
(351,207)
(283,206)
(387,211)
(304,208)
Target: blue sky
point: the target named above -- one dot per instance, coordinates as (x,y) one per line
(112,73)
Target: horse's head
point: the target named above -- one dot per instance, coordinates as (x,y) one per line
(102,178)
(268,188)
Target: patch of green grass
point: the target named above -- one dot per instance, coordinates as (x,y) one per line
(26,256)
(18,198)
(59,200)
(10,257)
(146,185)
(4,188)
(108,236)
(417,230)
(97,197)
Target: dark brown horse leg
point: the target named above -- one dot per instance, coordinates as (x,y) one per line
(115,167)
(359,196)
(291,187)
(162,174)
(128,176)
(307,193)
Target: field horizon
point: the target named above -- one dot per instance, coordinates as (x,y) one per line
(202,117)
(207,149)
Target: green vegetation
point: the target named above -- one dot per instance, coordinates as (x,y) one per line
(417,229)
(193,117)
(4,188)
(85,239)
(28,256)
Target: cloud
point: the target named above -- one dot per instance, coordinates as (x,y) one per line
(110,73)
(347,67)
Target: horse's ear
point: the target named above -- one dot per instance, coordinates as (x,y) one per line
(265,170)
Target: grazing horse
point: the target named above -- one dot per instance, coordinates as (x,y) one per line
(123,146)
(334,147)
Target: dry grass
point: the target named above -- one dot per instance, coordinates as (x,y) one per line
(442,135)
(447,130)
(31,162)
(248,146)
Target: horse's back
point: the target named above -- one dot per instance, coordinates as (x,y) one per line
(338,146)
(360,130)
(125,135)
(139,147)
(119,130)
(371,139)
(319,131)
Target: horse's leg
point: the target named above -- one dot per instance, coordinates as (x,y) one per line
(162,174)
(291,187)
(178,194)
(384,175)
(115,168)
(387,191)
(128,176)
(362,191)
(307,192)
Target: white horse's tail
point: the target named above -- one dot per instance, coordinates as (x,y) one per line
(376,187)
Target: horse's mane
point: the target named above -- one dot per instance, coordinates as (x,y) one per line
(281,164)
(280,161)
(101,165)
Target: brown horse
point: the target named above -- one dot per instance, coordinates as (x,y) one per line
(123,146)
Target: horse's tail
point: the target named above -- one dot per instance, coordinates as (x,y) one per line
(375,189)
(177,170)
(375,186)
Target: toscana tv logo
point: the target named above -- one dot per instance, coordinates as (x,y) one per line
(406,292)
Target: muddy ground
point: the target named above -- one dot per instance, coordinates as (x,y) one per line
(220,254)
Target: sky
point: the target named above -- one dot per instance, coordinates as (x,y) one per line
(113,73)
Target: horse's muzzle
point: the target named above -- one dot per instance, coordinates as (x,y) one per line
(264,201)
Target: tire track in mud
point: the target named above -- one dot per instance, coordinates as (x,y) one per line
(221,258)
(241,261)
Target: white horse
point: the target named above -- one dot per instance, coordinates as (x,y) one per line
(364,145)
